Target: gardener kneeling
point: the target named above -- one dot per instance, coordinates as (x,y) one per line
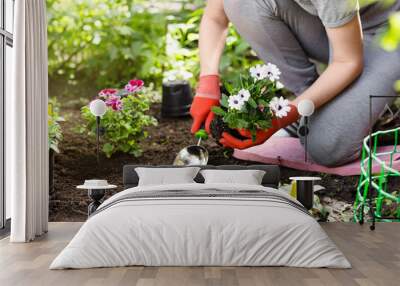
(289,33)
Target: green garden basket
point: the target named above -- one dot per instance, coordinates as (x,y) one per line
(373,190)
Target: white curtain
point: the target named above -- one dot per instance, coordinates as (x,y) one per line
(26,120)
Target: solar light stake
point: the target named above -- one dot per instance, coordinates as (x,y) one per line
(305,138)
(98,108)
(98,138)
(306,109)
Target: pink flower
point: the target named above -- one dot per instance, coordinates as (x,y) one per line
(134,85)
(114,102)
(107,92)
(261,107)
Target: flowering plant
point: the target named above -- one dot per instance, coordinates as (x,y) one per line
(253,102)
(125,120)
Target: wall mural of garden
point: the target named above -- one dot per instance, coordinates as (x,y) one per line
(122,51)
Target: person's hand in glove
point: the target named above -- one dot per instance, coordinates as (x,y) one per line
(207,95)
(278,122)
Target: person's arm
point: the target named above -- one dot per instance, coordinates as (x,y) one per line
(213,32)
(345,66)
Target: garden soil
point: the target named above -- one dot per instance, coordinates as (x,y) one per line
(77,162)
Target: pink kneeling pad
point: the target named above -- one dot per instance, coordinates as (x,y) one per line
(289,152)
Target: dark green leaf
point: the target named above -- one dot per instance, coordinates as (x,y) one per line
(224,101)
(218,111)
(252,103)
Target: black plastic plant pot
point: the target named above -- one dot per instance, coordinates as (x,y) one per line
(218,126)
(176,99)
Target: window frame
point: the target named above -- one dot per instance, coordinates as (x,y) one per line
(6,39)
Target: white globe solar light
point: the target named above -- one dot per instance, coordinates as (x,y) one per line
(306,107)
(98,107)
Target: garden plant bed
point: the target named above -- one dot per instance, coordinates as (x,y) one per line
(77,162)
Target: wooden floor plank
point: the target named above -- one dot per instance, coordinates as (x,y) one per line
(375,257)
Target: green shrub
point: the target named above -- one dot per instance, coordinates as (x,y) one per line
(391,38)
(183,53)
(95,43)
(54,129)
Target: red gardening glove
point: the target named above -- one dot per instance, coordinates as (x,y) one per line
(228,140)
(207,95)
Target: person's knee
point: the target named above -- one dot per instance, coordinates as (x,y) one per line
(333,152)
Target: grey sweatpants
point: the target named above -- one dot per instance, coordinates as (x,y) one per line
(286,35)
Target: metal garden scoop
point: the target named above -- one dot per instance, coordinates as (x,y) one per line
(193,154)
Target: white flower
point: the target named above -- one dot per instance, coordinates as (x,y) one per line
(244,94)
(272,72)
(170,75)
(279,85)
(179,64)
(176,74)
(258,72)
(279,106)
(186,75)
(235,102)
